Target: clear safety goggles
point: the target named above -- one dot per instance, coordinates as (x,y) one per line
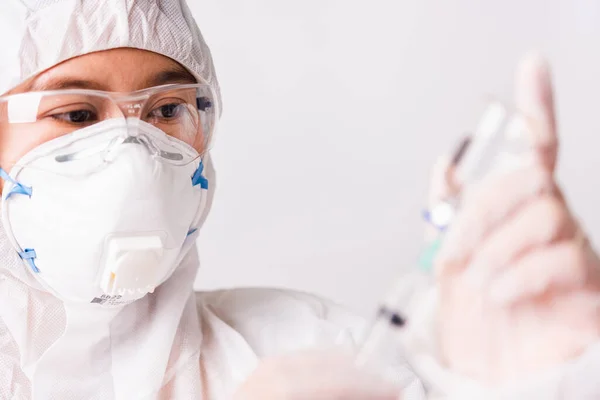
(185,112)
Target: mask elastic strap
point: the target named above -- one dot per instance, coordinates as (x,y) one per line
(29,256)
(199,179)
(18,188)
(192,231)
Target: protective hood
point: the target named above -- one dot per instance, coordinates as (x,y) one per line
(44,33)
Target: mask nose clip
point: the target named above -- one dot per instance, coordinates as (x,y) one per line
(143,141)
(135,139)
(152,149)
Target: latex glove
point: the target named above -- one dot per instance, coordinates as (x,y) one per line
(518,283)
(314,375)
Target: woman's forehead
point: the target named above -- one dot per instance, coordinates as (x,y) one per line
(116,70)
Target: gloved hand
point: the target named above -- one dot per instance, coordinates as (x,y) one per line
(314,375)
(519,283)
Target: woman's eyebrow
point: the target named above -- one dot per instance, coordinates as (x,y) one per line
(63,83)
(175,75)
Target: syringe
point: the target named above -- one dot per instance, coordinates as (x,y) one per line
(500,140)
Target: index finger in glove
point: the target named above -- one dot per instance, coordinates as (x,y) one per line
(486,205)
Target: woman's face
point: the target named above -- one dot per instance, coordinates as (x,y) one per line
(117,70)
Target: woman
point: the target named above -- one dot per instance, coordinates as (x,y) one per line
(105,125)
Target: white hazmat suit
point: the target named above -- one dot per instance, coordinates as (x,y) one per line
(173,343)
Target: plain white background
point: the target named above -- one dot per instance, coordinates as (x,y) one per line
(334,111)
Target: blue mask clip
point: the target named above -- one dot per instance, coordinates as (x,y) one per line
(198,178)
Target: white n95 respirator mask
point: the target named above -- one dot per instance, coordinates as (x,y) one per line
(105,214)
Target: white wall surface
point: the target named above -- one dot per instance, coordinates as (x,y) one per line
(335,110)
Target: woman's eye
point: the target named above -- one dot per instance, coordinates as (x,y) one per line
(76,117)
(167,111)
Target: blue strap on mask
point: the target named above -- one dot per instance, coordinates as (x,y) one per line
(198,178)
(18,188)
(29,255)
(192,231)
